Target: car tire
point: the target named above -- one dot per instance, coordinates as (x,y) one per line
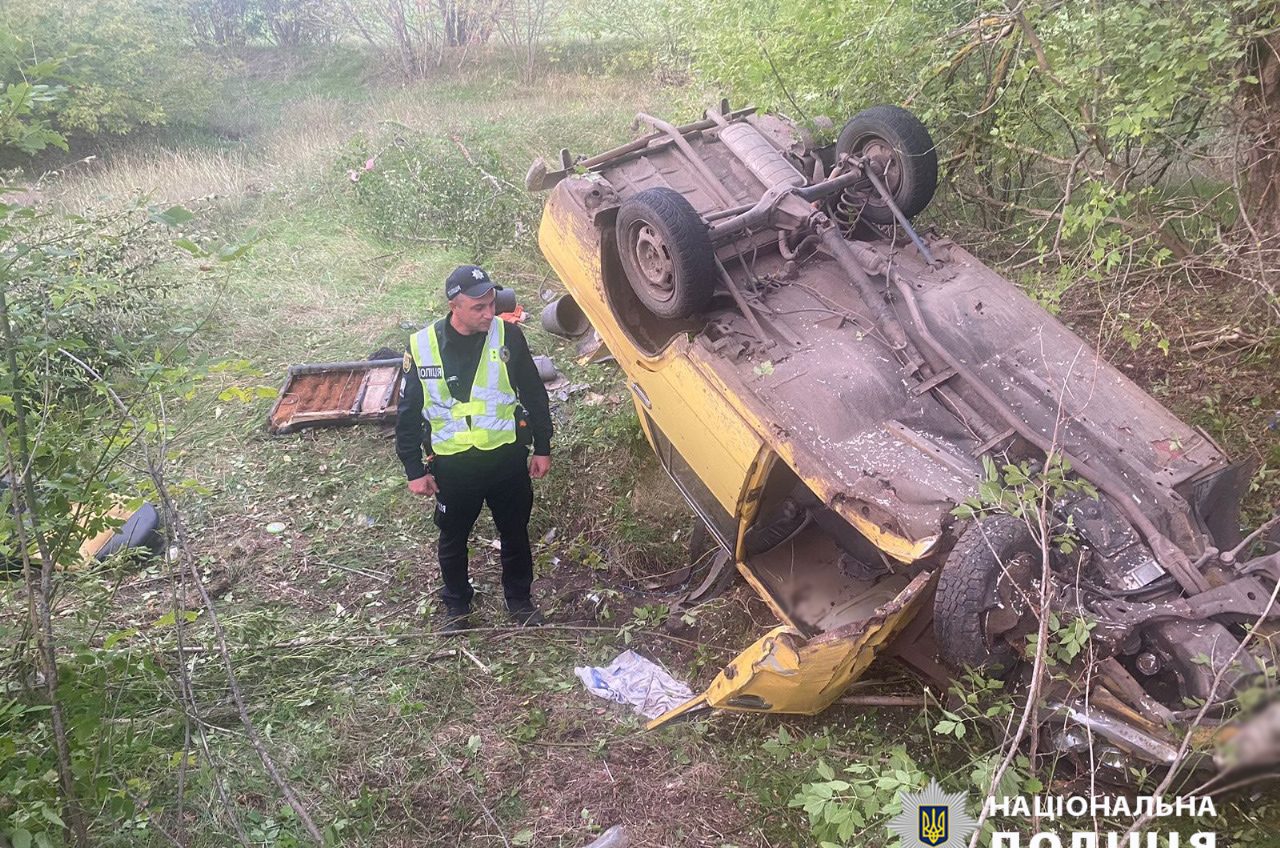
(896,139)
(666,253)
(967,591)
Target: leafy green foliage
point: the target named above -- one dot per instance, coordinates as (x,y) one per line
(976,701)
(78,298)
(1061,119)
(85,285)
(1023,491)
(443,188)
(109,67)
(29,91)
(1068,635)
(96,686)
(636,34)
(865,793)
(83,318)
(227,23)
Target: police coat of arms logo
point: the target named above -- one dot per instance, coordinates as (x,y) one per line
(932,818)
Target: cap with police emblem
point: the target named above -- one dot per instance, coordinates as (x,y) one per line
(469,280)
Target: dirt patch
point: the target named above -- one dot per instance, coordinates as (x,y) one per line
(661,802)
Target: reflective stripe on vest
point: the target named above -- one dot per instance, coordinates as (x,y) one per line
(488,420)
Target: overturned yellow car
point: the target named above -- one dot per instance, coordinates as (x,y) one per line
(826,385)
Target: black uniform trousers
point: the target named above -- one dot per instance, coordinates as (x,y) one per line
(467,482)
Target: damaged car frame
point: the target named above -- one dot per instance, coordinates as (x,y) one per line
(826,386)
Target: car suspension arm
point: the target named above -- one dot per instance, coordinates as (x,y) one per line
(897,213)
(743,306)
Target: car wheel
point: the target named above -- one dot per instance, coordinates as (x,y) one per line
(901,150)
(666,253)
(979,595)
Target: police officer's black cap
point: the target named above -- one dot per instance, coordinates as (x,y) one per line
(470,280)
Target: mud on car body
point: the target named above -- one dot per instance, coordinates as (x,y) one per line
(823,383)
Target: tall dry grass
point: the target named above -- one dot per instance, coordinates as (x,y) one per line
(163,175)
(299,144)
(297,141)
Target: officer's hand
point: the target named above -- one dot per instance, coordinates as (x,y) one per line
(539,466)
(424,485)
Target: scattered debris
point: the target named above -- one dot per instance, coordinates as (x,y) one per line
(381,577)
(592,350)
(563,317)
(547,370)
(140,532)
(571,389)
(632,679)
(336,393)
(907,701)
(484,668)
(614,837)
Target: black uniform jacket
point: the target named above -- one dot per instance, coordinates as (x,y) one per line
(460,356)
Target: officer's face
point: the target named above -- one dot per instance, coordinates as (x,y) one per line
(472,314)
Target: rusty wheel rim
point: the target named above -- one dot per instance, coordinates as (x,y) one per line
(651,257)
(884,159)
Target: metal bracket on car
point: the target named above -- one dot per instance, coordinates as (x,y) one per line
(540,179)
(897,213)
(1245,597)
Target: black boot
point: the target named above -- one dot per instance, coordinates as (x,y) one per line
(525,613)
(456,619)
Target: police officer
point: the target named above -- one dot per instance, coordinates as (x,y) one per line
(472,392)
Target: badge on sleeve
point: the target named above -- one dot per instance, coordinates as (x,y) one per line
(408,362)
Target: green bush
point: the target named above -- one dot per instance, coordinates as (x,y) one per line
(452,189)
(81,309)
(29,92)
(122,64)
(101,690)
(87,284)
(1061,124)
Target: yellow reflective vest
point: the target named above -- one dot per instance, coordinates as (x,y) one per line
(488,419)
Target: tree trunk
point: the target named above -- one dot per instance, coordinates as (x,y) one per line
(1259,160)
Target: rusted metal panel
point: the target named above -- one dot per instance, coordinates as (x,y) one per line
(338,393)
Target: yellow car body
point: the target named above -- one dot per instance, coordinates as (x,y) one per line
(869,380)
(725,451)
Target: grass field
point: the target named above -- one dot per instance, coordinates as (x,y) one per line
(391,734)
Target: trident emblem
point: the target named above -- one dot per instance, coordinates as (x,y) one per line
(933,824)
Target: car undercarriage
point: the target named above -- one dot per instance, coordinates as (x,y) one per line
(940,466)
